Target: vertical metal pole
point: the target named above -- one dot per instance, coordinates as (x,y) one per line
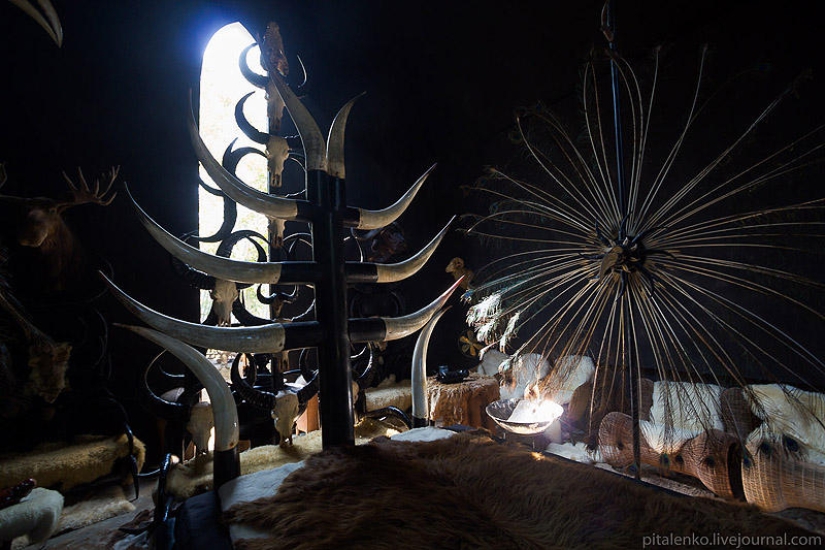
(630,357)
(617,112)
(634,392)
(335,400)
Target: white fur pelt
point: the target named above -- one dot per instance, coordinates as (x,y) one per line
(680,412)
(35,516)
(789,412)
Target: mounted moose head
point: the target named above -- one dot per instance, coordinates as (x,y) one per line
(39,224)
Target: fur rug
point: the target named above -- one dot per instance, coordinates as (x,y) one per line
(108,502)
(66,466)
(470,492)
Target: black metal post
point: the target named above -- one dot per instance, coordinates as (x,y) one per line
(328,194)
(624,213)
(634,394)
(617,112)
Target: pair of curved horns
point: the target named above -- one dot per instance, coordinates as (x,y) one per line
(275,207)
(275,337)
(246,272)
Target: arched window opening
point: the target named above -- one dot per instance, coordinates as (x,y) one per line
(221,86)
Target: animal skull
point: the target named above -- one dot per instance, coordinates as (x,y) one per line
(223,296)
(277,151)
(285,413)
(200,424)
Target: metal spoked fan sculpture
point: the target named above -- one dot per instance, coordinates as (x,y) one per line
(668,261)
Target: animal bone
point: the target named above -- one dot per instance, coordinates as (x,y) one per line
(225,411)
(284,407)
(200,424)
(270,272)
(223,296)
(285,413)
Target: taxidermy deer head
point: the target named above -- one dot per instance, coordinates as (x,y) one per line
(40,223)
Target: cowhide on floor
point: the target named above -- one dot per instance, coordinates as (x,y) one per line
(471,492)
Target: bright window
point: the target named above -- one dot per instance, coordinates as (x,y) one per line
(222,85)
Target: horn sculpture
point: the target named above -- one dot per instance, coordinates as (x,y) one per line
(227,464)
(325,209)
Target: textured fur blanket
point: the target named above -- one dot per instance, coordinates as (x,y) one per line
(470,492)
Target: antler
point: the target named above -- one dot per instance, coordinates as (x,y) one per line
(82,193)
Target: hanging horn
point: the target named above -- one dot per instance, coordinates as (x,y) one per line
(392,273)
(268,205)
(50,23)
(257,80)
(230,215)
(246,127)
(335,142)
(373,219)
(227,465)
(258,399)
(231,158)
(261,339)
(238,271)
(173,411)
(311,137)
(418,376)
(385,329)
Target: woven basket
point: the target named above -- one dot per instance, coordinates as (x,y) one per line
(774,480)
(713,457)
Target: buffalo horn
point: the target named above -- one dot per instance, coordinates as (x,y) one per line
(261,339)
(222,268)
(270,206)
(223,405)
(335,142)
(246,127)
(400,327)
(391,273)
(373,219)
(258,399)
(311,137)
(418,376)
(162,408)
(50,23)
(257,80)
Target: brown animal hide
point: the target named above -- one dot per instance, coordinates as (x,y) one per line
(48,365)
(470,492)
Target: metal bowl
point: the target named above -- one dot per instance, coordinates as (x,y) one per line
(501,411)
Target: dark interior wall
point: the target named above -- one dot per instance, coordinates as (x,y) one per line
(443,80)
